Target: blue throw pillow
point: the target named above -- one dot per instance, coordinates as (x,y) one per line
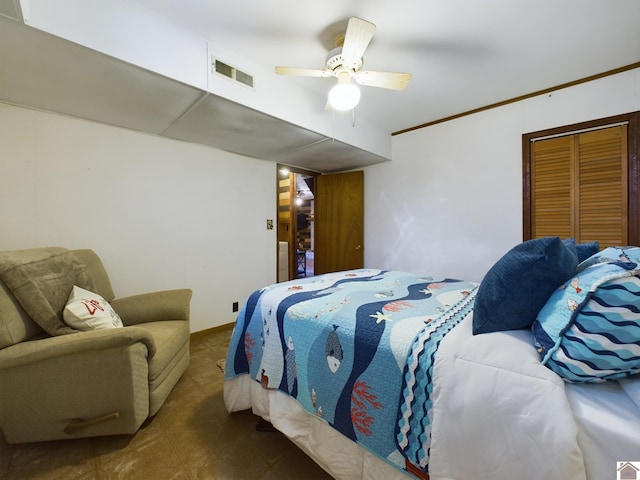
(583,250)
(515,289)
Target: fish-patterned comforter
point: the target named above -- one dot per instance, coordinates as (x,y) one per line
(355,348)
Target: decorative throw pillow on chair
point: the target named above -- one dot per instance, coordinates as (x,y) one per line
(86,310)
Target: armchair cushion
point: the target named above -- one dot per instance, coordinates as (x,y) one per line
(41,280)
(86,310)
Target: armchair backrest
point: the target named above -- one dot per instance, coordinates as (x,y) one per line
(15,324)
(97,272)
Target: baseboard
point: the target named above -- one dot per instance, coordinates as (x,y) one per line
(209,331)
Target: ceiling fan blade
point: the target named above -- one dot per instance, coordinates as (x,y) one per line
(303,72)
(390,80)
(356,40)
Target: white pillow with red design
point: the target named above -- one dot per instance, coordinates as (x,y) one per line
(86,310)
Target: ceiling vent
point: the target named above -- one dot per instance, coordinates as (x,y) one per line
(231,72)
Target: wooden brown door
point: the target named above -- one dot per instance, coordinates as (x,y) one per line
(551,188)
(601,202)
(339,222)
(579,186)
(583,181)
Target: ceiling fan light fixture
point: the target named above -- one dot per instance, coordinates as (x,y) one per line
(345,62)
(344,96)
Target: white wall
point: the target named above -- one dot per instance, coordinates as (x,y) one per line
(450,201)
(168,214)
(160,213)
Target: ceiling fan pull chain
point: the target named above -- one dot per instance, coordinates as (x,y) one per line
(333,113)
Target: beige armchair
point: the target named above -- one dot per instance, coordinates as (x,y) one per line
(57,384)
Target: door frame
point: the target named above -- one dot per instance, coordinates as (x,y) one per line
(292,233)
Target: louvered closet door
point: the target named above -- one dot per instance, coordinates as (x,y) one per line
(602,186)
(579,186)
(551,188)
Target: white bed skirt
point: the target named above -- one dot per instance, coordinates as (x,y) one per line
(335,453)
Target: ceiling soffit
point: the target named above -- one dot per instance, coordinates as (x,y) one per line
(53,74)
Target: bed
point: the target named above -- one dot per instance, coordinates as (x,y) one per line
(382,374)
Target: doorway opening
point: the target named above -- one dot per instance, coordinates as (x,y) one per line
(296,216)
(304,204)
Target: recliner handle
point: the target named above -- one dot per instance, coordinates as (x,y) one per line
(74,426)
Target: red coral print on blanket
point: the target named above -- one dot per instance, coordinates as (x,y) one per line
(248,343)
(359,399)
(398,306)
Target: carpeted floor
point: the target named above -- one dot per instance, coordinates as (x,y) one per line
(191,437)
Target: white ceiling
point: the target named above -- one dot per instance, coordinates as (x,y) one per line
(463,54)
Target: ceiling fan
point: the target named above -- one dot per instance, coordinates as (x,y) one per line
(345,62)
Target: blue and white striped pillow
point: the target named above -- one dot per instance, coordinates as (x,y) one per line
(589,329)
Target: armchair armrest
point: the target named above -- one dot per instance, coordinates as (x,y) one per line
(154,306)
(30,352)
